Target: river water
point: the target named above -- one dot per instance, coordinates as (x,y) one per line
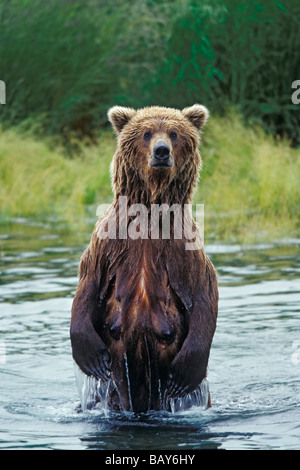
(254,368)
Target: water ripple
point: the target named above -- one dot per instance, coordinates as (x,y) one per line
(253,370)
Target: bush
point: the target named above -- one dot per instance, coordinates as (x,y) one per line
(235,52)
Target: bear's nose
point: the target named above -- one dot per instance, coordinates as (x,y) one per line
(162,152)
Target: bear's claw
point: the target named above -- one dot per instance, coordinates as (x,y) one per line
(98,367)
(175,389)
(91,355)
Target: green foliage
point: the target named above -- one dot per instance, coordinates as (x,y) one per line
(235,52)
(59,60)
(66,62)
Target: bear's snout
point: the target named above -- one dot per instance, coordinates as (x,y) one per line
(162,151)
(161,155)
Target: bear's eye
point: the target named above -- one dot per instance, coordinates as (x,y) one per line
(173,135)
(147,135)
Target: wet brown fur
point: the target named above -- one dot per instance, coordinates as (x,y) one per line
(145,310)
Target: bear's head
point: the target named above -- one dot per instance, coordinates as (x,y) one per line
(157,158)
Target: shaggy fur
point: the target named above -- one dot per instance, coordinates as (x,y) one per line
(145,310)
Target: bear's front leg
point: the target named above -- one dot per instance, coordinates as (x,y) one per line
(189,366)
(89,351)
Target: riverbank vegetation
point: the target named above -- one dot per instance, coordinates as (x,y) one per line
(249,183)
(65,63)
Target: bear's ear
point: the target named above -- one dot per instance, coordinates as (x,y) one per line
(119,116)
(197,115)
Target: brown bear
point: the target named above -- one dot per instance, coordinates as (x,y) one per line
(145,310)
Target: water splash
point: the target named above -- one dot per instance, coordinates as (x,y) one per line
(91,391)
(128,381)
(199,397)
(95,394)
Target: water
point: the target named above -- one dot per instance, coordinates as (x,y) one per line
(95,394)
(254,365)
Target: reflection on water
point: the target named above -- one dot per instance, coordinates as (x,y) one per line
(253,371)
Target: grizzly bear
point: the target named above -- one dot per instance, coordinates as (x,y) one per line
(145,310)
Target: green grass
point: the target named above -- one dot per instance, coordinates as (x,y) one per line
(39,181)
(249,182)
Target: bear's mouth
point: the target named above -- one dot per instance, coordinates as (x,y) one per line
(161,165)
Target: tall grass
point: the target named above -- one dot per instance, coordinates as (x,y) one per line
(39,182)
(65,62)
(249,183)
